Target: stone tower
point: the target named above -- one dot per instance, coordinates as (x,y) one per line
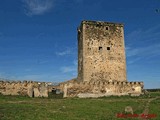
(101,51)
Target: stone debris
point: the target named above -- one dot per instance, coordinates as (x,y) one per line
(128,109)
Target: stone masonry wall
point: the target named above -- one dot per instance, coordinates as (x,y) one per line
(80,53)
(101,88)
(25,88)
(101,52)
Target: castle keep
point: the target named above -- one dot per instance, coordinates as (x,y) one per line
(101,51)
(101,63)
(101,67)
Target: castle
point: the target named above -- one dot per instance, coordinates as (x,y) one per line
(101,67)
(101,63)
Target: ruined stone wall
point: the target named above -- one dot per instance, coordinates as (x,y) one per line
(101,88)
(80,53)
(101,52)
(101,63)
(25,88)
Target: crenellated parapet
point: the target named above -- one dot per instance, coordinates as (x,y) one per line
(24,88)
(112,83)
(101,88)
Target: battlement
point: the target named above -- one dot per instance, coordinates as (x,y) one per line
(101,23)
(101,88)
(115,83)
(22,82)
(24,88)
(102,83)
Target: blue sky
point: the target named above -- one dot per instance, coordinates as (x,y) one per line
(38,38)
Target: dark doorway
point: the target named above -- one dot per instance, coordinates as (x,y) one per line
(33,93)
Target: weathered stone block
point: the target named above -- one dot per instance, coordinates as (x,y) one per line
(36,92)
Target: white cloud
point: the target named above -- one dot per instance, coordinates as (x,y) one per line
(67,69)
(144,35)
(75,62)
(133,60)
(143,44)
(136,54)
(131,51)
(42,61)
(70,69)
(37,7)
(67,51)
(151,50)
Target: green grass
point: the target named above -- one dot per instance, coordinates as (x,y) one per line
(154,94)
(155,108)
(105,108)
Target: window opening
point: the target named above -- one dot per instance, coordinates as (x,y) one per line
(108,48)
(100,48)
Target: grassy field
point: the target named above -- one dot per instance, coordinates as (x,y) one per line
(107,108)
